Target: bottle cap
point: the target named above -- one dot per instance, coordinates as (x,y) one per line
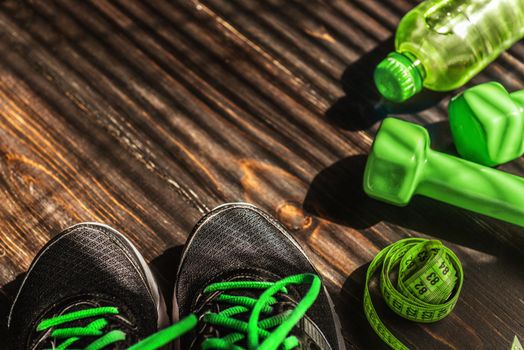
(397,77)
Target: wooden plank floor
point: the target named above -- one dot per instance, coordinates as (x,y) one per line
(146,114)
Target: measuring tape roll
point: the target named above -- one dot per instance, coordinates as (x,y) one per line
(428,283)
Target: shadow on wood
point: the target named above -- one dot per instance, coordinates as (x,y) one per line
(362,106)
(165,267)
(351,297)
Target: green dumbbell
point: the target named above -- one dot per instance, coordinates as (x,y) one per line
(401,164)
(487,124)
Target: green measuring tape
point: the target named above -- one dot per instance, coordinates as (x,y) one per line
(428,282)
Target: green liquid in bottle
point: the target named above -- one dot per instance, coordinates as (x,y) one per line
(442,44)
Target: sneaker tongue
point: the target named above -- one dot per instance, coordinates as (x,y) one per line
(43,339)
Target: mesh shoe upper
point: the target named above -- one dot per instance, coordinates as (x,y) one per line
(238,241)
(86,265)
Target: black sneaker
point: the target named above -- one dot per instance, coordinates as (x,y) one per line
(88,286)
(251,286)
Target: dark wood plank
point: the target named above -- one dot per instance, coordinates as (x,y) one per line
(146,114)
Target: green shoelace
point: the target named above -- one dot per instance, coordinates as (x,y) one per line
(428,283)
(101,338)
(93,329)
(270,333)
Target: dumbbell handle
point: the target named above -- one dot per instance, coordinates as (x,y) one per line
(472,186)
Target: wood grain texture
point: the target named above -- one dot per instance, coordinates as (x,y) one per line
(146,114)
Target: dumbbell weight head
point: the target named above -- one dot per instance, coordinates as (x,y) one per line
(487,124)
(395,164)
(401,164)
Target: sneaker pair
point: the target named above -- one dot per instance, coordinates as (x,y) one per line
(243,283)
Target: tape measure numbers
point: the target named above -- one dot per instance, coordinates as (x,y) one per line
(428,278)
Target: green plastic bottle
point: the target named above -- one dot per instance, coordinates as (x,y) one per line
(442,44)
